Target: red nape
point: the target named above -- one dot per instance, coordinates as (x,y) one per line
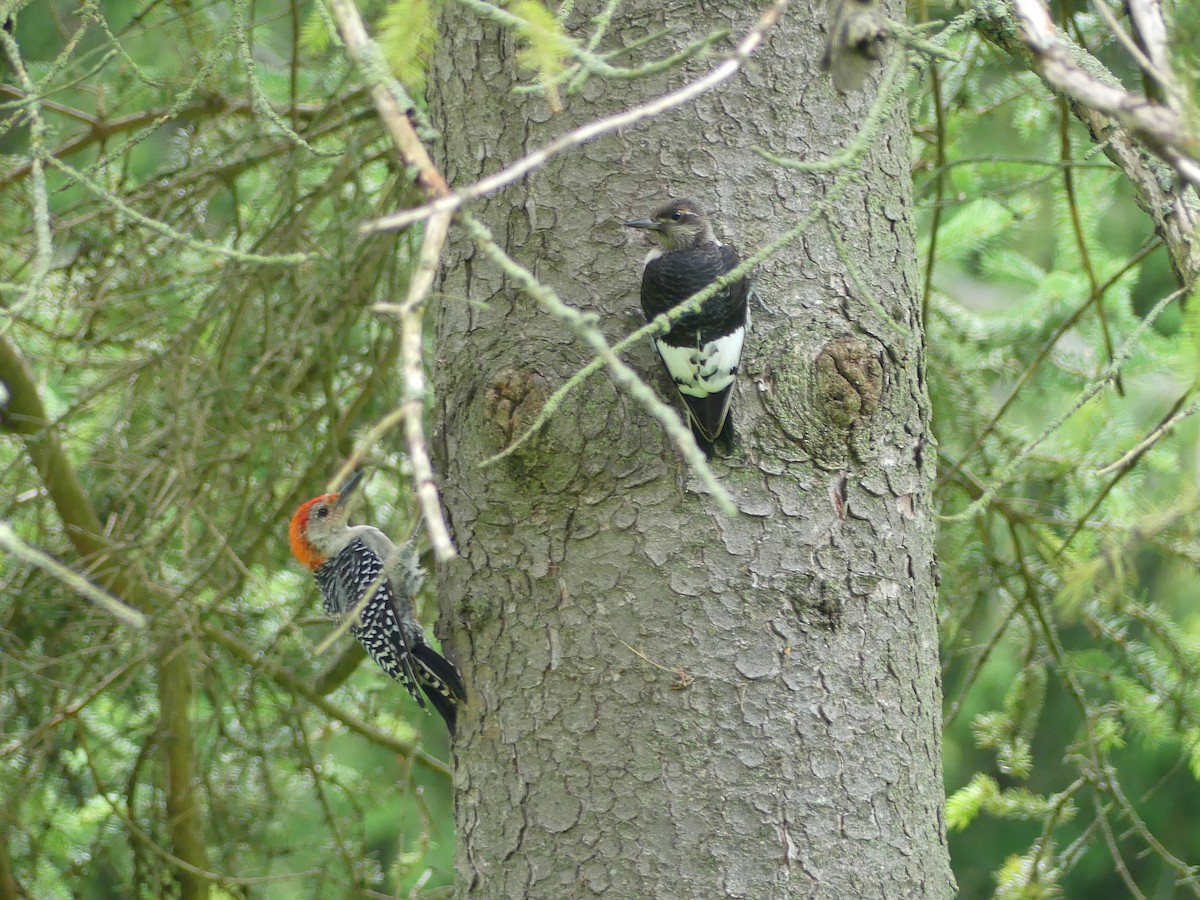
(298,534)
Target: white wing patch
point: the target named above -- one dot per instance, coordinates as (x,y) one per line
(700,371)
(651,257)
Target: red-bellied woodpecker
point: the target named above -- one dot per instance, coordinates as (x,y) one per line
(346,561)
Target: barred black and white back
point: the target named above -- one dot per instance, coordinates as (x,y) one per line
(386,627)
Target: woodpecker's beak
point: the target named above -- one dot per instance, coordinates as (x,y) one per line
(347,489)
(641,223)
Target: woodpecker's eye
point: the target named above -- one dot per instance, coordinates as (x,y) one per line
(676,215)
(322,512)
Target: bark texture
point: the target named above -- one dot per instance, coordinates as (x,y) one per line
(667,702)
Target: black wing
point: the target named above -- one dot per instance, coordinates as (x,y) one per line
(739,291)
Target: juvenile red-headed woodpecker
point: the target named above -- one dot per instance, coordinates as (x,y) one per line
(346,561)
(703,349)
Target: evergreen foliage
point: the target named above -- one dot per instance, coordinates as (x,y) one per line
(1067,575)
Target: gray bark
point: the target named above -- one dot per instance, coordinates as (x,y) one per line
(800,756)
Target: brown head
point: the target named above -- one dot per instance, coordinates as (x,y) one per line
(676,225)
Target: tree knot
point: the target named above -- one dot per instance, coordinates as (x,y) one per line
(515,398)
(848,381)
(829,403)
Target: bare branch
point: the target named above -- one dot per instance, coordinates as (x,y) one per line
(1163,130)
(589,132)
(106,601)
(384,90)
(1150,32)
(414,154)
(411,341)
(299,686)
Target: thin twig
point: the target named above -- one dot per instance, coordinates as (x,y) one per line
(128,212)
(589,132)
(1115,851)
(1085,256)
(301,687)
(1085,395)
(384,92)
(1160,431)
(106,601)
(586,330)
(1166,134)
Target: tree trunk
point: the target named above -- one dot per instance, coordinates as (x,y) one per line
(668,702)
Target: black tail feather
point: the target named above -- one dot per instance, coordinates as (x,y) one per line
(711,419)
(441,681)
(723,442)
